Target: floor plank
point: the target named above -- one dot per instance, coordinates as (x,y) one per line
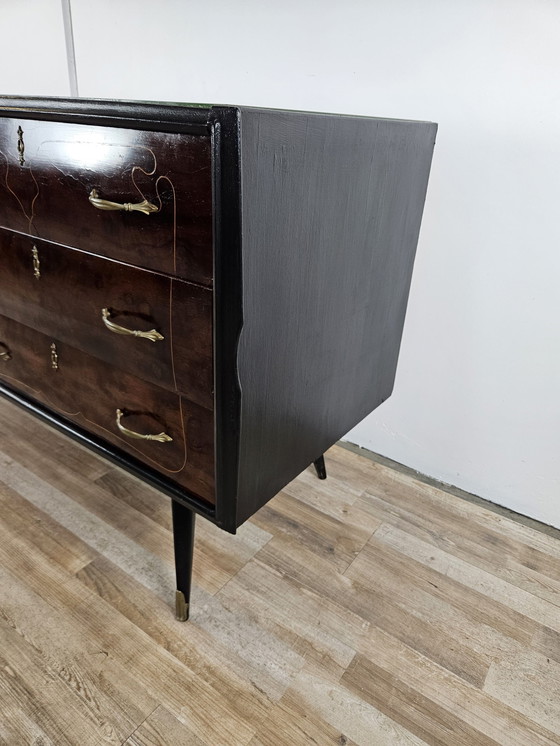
(543,611)
(370,609)
(445,708)
(530,684)
(162,728)
(338,705)
(509,558)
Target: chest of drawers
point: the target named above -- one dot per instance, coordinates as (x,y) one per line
(209,296)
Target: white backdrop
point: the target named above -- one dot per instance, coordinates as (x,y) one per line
(477,400)
(33,49)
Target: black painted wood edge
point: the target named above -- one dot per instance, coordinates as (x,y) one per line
(107,113)
(228,314)
(145,115)
(330,115)
(115,455)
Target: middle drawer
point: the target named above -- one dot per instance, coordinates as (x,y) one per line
(155,327)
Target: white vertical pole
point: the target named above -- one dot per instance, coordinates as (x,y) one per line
(70,53)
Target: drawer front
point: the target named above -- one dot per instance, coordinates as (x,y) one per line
(90,392)
(90,303)
(58,178)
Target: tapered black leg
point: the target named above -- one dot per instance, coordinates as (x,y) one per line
(320,467)
(183,541)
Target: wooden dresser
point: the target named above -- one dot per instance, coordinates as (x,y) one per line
(209,296)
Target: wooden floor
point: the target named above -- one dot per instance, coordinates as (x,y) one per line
(369,609)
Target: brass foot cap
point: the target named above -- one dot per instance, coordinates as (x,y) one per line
(181,607)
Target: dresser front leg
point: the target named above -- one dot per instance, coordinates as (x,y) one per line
(320,467)
(183,543)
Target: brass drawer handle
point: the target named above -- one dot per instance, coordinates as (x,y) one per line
(152,335)
(54,357)
(160,437)
(36,263)
(5,354)
(20,146)
(104,204)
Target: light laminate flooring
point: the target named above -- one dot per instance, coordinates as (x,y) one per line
(370,608)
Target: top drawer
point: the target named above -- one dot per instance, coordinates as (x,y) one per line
(57,178)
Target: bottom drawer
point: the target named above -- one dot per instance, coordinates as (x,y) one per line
(164,430)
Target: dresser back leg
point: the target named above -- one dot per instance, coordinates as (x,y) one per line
(320,467)
(183,541)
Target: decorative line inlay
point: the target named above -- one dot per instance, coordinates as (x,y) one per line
(30,215)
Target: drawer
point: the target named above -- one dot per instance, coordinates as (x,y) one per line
(89,303)
(55,173)
(89,392)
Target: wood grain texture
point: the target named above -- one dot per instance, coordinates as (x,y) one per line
(289,643)
(331,213)
(87,391)
(47,196)
(66,301)
(161,728)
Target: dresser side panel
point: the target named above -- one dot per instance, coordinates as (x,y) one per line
(331,212)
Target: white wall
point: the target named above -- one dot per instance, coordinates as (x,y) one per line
(33,51)
(477,400)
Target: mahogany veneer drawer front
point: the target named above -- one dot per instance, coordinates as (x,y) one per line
(209,296)
(58,178)
(89,392)
(151,325)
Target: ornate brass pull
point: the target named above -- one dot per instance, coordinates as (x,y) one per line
(152,335)
(5,354)
(20,146)
(160,437)
(104,204)
(36,263)
(54,357)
